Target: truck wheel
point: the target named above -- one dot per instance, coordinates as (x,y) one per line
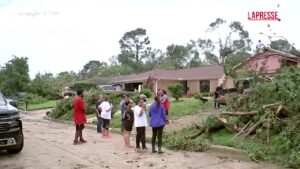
(17,150)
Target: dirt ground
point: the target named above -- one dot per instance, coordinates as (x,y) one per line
(49,145)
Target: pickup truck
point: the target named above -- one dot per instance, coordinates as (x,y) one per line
(11,131)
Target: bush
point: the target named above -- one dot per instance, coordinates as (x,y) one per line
(177,90)
(63,107)
(31,98)
(147,92)
(207,94)
(180,141)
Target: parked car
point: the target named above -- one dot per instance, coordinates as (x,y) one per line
(11,130)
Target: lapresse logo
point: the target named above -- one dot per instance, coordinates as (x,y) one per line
(263,16)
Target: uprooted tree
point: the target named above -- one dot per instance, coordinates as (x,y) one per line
(270,109)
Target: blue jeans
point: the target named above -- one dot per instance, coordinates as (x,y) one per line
(99,125)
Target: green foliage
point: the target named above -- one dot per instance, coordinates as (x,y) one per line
(236,39)
(31,98)
(188,106)
(63,109)
(284,142)
(116,71)
(177,90)
(233,60)
(93,68)
(177,55)
(205,94)
(147,92)
(82,86)
(14,76)
(39,106)
(90,98)
(43,85)
(212,121)
(180,141)
(134,48)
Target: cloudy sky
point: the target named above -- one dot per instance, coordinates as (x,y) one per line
(63,35)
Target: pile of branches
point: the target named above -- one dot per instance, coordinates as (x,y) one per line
(270,110)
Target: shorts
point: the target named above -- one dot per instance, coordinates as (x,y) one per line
(105,123)
(79,127)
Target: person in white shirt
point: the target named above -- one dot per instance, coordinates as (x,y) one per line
(140,122)
(260,47)
(105,108)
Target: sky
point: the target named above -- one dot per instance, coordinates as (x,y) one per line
(63,35)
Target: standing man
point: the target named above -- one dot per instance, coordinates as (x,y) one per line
(79,115)
(105,108)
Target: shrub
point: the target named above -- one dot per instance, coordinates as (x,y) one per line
(32,98)
(207,94)
(147,92)
(63,107)
(180,141)
(177,90)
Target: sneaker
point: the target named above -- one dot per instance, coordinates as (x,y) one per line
(82,141)
(76,142)
(145,148)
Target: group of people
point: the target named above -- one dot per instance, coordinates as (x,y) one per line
(131,116)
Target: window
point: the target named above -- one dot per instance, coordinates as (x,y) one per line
(204,86)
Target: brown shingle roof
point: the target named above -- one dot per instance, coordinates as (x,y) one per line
(198,73)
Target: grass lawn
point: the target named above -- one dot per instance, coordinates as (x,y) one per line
(39,106)
(188,106)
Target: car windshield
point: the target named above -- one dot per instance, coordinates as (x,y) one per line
(2,100)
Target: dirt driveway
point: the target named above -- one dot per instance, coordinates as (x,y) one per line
(49,145)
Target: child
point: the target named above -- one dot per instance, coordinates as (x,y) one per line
(127,120)
(105,108)
(140,122)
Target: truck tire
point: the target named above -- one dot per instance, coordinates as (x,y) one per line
(17,150)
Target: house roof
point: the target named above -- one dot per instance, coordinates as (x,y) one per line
(268,53)
(198,73)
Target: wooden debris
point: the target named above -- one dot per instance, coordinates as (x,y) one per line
(239,113)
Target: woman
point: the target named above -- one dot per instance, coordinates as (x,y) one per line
(140,122)
(157,122)
(166,103)
(127,121)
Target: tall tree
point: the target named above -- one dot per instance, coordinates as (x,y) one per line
(15,76)
(284,46)
(178,55)
(43,85)
(134,46)
(93,68)
(231,38)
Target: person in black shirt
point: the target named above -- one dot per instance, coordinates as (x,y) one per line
(217,94)
(98,114)
(128,120)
